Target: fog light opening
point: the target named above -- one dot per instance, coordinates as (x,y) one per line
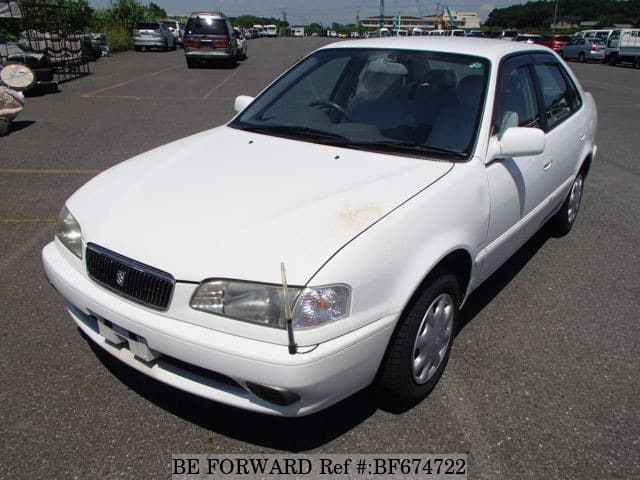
(279,396)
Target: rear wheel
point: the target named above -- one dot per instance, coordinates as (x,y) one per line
(138,49)
(613,60)
(166,45)
(419,350)
(565,218)
(582,57)
(636,63)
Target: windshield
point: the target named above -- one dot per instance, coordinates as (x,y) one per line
(392,100)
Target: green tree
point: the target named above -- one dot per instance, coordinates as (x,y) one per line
(155,12)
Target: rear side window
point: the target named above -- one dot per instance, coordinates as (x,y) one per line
(559,96)
(147,26)
(206,26)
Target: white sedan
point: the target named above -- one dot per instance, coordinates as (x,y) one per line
(327,237)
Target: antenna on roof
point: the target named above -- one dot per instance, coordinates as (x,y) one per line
(287,310)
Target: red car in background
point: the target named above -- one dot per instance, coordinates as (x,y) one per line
(555,42)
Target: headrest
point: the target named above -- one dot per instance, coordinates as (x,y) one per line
(469,90)
(388,68)
(443,78)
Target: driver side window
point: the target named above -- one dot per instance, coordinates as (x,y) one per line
(517,104)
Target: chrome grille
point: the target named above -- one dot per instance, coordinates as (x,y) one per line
(136,281)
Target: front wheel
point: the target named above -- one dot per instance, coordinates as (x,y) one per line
(419,350)
(565,218)
(582,57)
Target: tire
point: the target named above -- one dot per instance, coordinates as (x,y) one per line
(563,221)
(138,49)
(613,60)
(582,57)
(636,62)
(166,46)
(191,63)
(410,371)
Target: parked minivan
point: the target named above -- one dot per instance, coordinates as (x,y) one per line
(209,37)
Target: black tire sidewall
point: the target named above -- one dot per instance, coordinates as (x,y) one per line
(396,383)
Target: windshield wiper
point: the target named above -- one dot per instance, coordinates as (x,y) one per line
(410,147)
(292,130)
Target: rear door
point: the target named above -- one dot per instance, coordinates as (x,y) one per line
(207,33)
(564,123)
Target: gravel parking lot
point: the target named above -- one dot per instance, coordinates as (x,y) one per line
(542,382)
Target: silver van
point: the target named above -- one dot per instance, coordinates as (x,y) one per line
(209,37)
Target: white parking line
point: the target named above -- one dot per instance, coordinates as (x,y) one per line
(214,89)
(127,82)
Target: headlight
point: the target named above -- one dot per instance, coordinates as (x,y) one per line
(264,304)
(69,233)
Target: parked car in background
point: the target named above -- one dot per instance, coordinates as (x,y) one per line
(242,43)
(270,31)
(598,33)
(623,46)
(584,49)
(153,35)
(329,243)
(208,37)
(177,28)
(508,35)
(527,38)
(556,42)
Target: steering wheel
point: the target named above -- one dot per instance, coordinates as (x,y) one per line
(335,106)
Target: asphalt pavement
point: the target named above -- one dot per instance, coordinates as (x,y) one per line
(542,382)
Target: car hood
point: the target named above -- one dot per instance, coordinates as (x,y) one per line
(231,204)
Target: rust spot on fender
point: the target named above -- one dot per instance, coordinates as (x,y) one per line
(360,217)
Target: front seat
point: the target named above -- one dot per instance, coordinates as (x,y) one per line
(454,127)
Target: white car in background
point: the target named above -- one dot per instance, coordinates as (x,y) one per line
(327,237)
(177,29)
(242,42)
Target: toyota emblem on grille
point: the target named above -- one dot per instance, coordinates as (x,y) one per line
(120,277)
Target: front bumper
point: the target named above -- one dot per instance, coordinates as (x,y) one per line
(328,373)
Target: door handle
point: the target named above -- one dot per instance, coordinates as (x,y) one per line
(546,165)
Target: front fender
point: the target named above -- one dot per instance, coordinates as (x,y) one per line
(387,263)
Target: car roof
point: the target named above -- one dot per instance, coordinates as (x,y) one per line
(481,47)
(208,14)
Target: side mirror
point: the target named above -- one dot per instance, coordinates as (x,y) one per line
(242,102)
(521,142)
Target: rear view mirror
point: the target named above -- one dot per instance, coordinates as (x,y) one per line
(521,142)
(242,102)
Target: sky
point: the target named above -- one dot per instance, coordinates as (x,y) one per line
(323,11)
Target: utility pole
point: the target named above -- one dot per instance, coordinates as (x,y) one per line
(381,22)
(284,15)
(555,17)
